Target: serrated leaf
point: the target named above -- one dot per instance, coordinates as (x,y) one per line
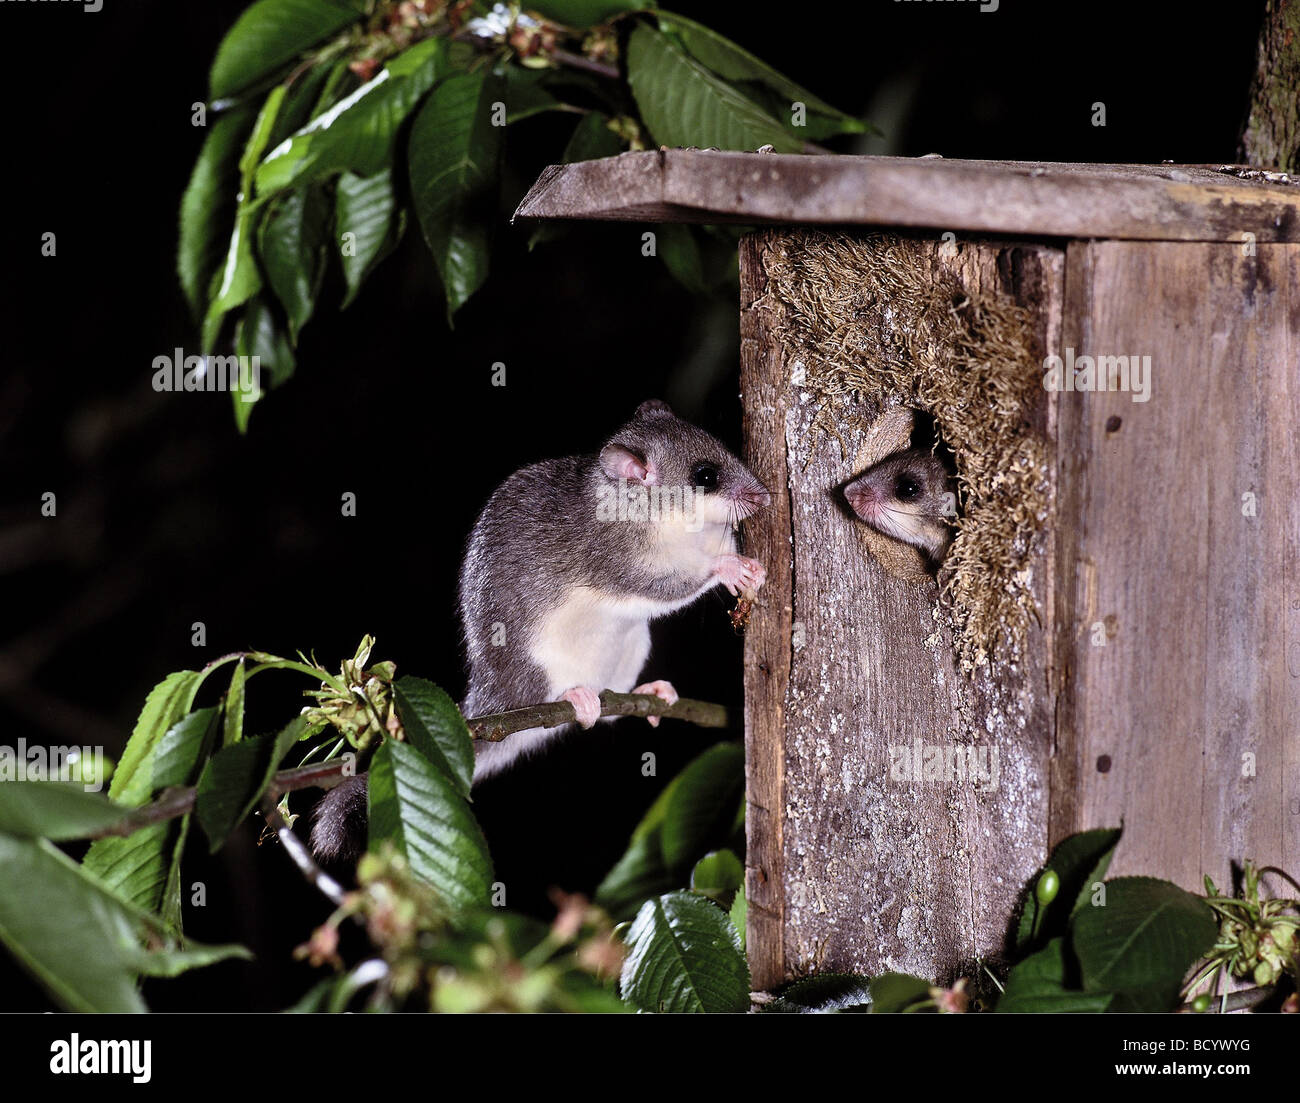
(416,807)
(453,157)
(365,207)
(684,104)
(291,243)
(49,906)
(208,205)
(1142,942)
(55,810)
(135,867)
(702,808)
(358,133)
(181,748)
(269,35)
(732,63)
(1039,985)
(235,778)
(684,956)
(167,702)
(718,875)
(435,727)
(1079,861)
(824,994)
(895,992)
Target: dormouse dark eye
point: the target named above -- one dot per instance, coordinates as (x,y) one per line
(907,489)
(705,476)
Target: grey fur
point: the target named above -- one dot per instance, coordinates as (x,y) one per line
(539,540)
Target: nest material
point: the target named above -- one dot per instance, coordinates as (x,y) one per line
(871,320)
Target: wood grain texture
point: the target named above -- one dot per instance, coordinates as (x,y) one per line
(1178,614)
(877,872)
(767,638)
(1137,202)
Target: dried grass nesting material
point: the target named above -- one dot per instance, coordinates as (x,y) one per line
(873,319)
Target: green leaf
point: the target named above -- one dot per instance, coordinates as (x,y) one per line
(208,203)
(291,243)
(365,207)
(55,810)
(135,867)
(358,133)
(1080,861)
(239,278)
(644,870)
(718,875)
(232,730)
(235,778)
(734,64)
(684,956)
(637,876)
(702,808)
(895,992)
(739,914)
(261,334)
(684,104)
(269,35)
(453,161)
(80,941)
(417,808)
(1039,984)
(435,727)
(187,741)
(584,13)
(824,994)
(167,702)
(301,99)
(1142,942)
(677,247)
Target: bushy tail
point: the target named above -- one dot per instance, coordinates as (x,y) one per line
(339,823)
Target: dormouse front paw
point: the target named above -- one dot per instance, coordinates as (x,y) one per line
(585,702)
(739,573)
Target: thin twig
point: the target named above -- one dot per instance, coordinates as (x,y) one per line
(492,728)
(301,857)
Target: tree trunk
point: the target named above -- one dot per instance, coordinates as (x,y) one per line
(1271,137)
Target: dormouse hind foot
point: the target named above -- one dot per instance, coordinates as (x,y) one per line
(585,702)
(739,573)
(660,689)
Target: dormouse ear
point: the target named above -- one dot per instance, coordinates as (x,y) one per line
(620,462)
(653,408)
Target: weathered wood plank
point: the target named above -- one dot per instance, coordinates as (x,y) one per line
(767,638)
(1177,609)
(1139,202)
(874,872)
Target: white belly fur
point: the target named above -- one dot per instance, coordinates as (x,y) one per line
(592,639)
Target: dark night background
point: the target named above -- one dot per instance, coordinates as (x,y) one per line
(167,516)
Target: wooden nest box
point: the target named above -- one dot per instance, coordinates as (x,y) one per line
(1111,355)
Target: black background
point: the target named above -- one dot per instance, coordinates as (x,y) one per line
(167,516)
